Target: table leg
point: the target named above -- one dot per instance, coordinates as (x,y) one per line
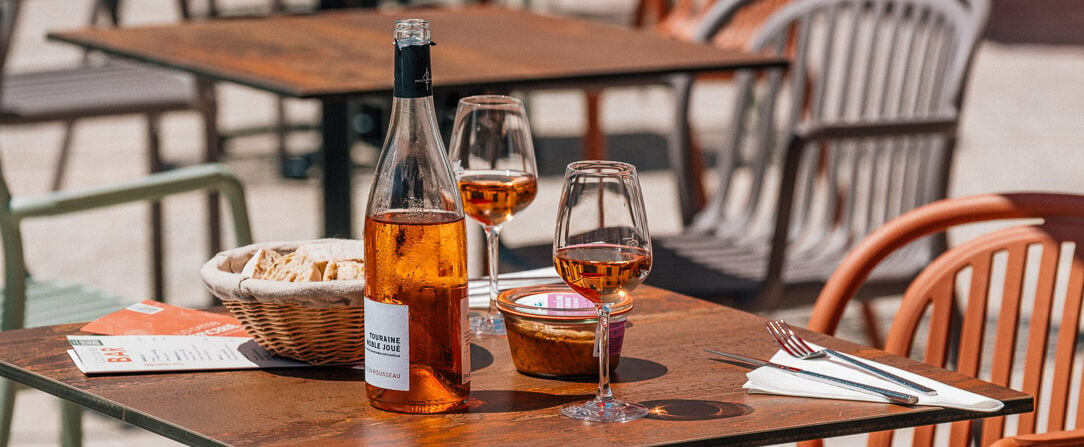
(335,158)
(594,139)
(208,99)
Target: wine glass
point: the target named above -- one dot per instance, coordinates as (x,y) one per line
(492,155)
(602,250)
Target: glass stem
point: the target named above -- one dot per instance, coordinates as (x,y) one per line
(603,336)
(493,234)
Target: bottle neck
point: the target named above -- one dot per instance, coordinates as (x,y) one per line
(413,74)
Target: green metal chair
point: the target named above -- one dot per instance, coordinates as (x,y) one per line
(31,302)
(104,87)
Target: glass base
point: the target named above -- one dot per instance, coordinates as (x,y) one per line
(606,410)
(485,323)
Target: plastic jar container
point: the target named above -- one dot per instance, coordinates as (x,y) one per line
(551,331)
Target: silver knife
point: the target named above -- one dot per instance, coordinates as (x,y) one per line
(892,396)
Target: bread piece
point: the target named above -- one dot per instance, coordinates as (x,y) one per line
(295,268)
(333,250)
(344,269)
(260,264)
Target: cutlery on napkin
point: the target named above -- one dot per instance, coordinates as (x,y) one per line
(479,287)
(773,381)
(891,396)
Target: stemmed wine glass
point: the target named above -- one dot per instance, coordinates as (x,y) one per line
(602,250)
(492,155)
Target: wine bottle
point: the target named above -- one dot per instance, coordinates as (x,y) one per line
(417,334)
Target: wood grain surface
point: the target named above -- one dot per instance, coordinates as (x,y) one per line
(696,399)
(344,53)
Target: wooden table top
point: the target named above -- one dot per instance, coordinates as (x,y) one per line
(698,400)
(349,52)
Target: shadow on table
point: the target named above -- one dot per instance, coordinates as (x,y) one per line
(507,401)
(630,370)
(340,373)
(480,357)
(694,410)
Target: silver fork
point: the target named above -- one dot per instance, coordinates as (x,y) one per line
(797,347)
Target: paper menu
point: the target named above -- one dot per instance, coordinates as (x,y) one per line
(96,354)
(157,318)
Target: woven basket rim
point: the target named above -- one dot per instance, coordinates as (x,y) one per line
(223,278)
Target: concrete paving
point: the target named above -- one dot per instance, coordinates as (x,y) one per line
(1022,131)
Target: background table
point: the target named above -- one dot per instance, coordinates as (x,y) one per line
(695,398)
(337,55)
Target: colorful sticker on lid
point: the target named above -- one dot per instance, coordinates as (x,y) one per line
(562,300)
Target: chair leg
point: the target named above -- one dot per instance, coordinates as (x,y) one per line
(281,134)
(71,424)
(873,329)
(7,410)
(63,156)
(594,140)
(155,164)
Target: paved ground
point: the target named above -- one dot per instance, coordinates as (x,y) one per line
(1022,131)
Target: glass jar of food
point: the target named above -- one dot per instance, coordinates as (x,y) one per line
(551,331)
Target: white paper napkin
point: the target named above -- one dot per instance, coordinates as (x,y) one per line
(773,381)
(479,288)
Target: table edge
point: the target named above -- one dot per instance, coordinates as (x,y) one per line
(120,412)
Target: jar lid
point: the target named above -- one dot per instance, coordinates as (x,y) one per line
(554,302)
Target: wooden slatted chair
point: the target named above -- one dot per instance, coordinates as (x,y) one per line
(860,128)
(31,302)
(1020,289)
(105,88)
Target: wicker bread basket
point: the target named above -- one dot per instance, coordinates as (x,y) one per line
(316,322)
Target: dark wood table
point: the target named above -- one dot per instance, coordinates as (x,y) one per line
(336,55)
(697,400)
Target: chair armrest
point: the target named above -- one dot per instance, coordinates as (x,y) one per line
(211,176)
(874,129)
(1052,439)
(799,142)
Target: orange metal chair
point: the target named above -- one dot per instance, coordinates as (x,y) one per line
(1004,306)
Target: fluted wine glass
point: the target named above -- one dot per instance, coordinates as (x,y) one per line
(602,249)
(492,155)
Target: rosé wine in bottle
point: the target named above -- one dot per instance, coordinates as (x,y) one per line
(417,335)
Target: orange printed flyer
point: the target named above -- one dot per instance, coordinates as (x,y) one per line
(156,318)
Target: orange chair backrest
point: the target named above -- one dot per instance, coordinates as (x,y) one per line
(1021,291)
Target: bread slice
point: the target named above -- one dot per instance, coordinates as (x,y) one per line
(344,269)
(295,268)
(324,251)
(260,265)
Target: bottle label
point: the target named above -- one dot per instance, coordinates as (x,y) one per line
(413,76)
(387,345)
